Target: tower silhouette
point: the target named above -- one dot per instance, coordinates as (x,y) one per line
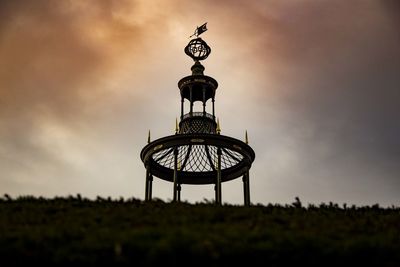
(197,153)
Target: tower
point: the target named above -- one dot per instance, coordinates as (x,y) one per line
(197,153)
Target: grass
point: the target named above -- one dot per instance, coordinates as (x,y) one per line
(78,231)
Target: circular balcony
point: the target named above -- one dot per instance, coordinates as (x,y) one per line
(197,158)
(198,122)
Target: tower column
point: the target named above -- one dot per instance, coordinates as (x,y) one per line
(213,107)
(191,99)
(149,180)
(182,105)
(179,188)
(146,193)
(204,101)
(150,187)
(175,174)
(244,178)
(246,188)
(218,190)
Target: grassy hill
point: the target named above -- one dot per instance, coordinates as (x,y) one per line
(67,231)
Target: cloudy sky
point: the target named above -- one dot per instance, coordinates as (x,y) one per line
(316,84)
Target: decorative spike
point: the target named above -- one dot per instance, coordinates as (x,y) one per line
(218,127)
(246,137)
(148,137)
(176,126)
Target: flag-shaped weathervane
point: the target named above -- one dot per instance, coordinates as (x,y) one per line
(199,30)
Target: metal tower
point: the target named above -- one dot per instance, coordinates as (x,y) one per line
(197,153)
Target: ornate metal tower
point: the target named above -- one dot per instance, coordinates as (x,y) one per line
(197,153)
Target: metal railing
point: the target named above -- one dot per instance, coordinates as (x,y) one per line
(198,114)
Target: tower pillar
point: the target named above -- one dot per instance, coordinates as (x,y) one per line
(182,106)
(149,181)
(218,190)
(150,187)
(246,188)
(191,100)
(179,188)
(213,108)
(175,174)
(204,101)
(146,193)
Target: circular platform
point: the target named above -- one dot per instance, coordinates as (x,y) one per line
(197,156)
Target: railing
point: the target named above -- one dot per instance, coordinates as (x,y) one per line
(198,114)
(191,79)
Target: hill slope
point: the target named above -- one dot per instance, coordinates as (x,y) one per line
(66,231)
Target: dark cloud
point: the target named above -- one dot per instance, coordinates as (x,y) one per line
(330,71)
(55,57)
(348,82)
(338,65)
(51,51)
(322,79)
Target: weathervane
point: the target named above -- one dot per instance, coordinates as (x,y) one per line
(199,30)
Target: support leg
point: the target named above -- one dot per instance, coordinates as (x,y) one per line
(175,174)
(246,188)
(146,193)
(182,105)
(213,108)
(219,178)
(216,193)
(150,186)
(179,192)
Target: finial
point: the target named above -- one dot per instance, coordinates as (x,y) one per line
(246,138)
(148,137)
(176,126)
(218,127)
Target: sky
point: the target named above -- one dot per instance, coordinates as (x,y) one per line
(315,83)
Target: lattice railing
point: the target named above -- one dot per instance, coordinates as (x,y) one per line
(197,158)
(197,122)
(198,114)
